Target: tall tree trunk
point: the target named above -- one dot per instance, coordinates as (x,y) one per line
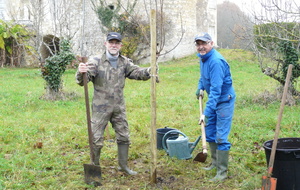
(18,54)
(12,55)
(3,55)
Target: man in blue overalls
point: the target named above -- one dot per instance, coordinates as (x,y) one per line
(216,80)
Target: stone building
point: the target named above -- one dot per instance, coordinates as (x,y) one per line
(76,19)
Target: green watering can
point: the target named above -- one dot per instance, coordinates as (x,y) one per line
(179,147)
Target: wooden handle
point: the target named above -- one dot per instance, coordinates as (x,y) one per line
(202,126)
(88,114)
(274,145)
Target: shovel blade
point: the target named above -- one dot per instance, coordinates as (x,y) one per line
(268,183)
(92,174)
(200,157)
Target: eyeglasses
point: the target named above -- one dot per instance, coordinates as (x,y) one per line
(201,43)
(114,43)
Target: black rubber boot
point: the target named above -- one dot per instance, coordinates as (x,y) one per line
(123,158)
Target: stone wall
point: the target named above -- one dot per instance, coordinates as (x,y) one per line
(188,16)
(66,18)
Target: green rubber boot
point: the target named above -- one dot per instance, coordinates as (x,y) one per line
(97,153)
(222,166)
(123,158)
(213,151)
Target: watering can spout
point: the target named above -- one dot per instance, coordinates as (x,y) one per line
(194,144)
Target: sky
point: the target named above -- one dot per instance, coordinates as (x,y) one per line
(250,5)
(254,7)
(245,5)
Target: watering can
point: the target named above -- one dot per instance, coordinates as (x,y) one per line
(179,147)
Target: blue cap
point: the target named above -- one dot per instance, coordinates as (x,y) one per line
(114,36)
(203,37)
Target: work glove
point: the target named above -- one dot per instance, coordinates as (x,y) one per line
(156,75)
(199,93)
(85,67)
(82,68)
(203,119)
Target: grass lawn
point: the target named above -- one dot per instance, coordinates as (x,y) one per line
(44,144)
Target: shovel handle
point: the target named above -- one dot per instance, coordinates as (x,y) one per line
(274,145)
(200,108)
(202,126)
(88,115)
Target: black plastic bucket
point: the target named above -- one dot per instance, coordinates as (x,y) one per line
(160,134)
(286,164)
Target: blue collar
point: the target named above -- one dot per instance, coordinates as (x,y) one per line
(206,56)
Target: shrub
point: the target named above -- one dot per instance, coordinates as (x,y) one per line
(55,66)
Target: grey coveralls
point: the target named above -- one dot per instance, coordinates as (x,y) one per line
(108,100)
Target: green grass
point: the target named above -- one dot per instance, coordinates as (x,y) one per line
(26,119)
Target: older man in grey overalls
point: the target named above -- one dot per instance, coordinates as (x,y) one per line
(108,73)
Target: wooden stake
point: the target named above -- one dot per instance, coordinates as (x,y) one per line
(153,97)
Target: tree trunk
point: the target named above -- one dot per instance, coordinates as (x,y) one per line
(19,55)
(53,95)
(12,55)
(3,55)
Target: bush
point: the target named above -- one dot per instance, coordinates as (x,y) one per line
(55,66)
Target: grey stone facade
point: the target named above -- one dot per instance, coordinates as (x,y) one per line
(70,18)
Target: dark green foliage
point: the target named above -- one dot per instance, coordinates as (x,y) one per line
(131,28)
(56,65)
(113,19)
(106,16)
(290,56)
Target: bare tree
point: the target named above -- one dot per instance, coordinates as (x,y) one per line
(37,14)
(52,20)
(277,39)
(164,25)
